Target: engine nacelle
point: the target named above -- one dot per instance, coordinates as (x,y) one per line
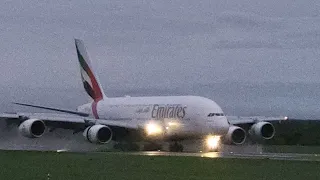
(236,135)
(264,130)
(32,128)
(98,134)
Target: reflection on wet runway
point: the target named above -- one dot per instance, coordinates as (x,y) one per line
(276,156)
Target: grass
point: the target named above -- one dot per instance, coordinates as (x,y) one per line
(36,165)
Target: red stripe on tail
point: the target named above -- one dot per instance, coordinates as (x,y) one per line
(94,109)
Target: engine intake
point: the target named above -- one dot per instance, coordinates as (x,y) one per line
(236,135)
(98,134)
(263,130)
(32,128)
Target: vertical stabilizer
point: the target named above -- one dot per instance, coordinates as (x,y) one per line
(89,78)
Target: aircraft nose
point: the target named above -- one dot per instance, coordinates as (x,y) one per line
(222,125)
(226,125)
(217,126)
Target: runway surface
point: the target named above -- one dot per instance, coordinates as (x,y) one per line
(275,156)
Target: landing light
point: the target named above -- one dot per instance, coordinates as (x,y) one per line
(213,142)
(153,129)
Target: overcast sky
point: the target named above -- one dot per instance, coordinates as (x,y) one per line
(160,43)
(147,43)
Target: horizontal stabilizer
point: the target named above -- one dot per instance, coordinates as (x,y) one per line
(55,109)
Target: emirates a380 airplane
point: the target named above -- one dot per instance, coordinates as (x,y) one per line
(156,118)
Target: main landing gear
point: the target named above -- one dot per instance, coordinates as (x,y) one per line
(152,146)
(175,147)
(126,146)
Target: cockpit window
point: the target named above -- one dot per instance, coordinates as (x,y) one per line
(215,114)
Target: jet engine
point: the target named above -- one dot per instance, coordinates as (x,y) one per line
(236,135)
(264,130)
(32,128)
(98,134)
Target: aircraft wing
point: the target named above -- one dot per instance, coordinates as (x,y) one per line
(254,119)
(67,121)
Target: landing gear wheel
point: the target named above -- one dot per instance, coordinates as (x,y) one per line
(176,147)
(152,147)
(126,146)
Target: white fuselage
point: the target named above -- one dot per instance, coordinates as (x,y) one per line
(195,115)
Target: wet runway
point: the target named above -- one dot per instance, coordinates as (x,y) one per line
(275,156)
